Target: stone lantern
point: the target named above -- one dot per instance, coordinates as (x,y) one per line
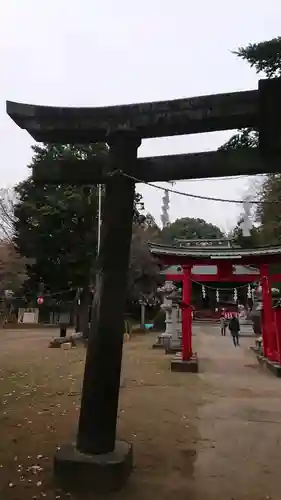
(169,305)
(256,313)
(175,340)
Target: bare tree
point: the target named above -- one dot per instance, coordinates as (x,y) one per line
(12,276)
(12,267)
(7,202)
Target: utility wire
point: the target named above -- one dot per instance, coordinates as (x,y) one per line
(228,178)
(48,295)
(196,196)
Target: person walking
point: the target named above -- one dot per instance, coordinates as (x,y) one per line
(223,323)
(234,327)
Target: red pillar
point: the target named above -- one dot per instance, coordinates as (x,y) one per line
(186,314)
(268,327)
(277,317)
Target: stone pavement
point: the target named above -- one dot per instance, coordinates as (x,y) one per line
(239,423)
(246,328)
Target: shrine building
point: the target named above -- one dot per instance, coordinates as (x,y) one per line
(212,290)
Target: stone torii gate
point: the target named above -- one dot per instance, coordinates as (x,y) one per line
(97,460)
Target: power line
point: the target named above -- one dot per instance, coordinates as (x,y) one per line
(48,294)
(196,196)
(228,178)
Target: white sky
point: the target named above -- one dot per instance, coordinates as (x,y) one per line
(93,52)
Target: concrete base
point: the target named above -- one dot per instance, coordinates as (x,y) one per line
(67,345)
(256,350)
(272,366)
(158,346)
(78,472)
(178,365)
(162,341)
(58,341)
(172,349)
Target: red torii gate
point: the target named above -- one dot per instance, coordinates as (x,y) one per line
(225,259)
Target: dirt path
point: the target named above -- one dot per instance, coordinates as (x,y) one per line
(238,454)
(211,435)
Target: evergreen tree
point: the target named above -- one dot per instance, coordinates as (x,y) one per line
(190,228)
(56,227)
(265,57)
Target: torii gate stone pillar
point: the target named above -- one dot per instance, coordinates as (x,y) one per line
(97,458)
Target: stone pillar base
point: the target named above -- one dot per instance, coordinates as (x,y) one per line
(78,472)
(178,365)
(158,346)
(272,366)
(162,341)
(172,349)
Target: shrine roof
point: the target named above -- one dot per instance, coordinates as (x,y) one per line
(210,269)
(212,253)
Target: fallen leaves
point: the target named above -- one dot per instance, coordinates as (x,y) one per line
(29,421)
(35,469)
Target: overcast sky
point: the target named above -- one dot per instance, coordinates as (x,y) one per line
(105,52)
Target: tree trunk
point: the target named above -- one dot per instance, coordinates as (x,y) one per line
(77,320)
(142,325)
(83,315)
(77,316)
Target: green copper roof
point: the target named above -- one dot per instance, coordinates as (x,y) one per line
(211,270)
(208,252)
